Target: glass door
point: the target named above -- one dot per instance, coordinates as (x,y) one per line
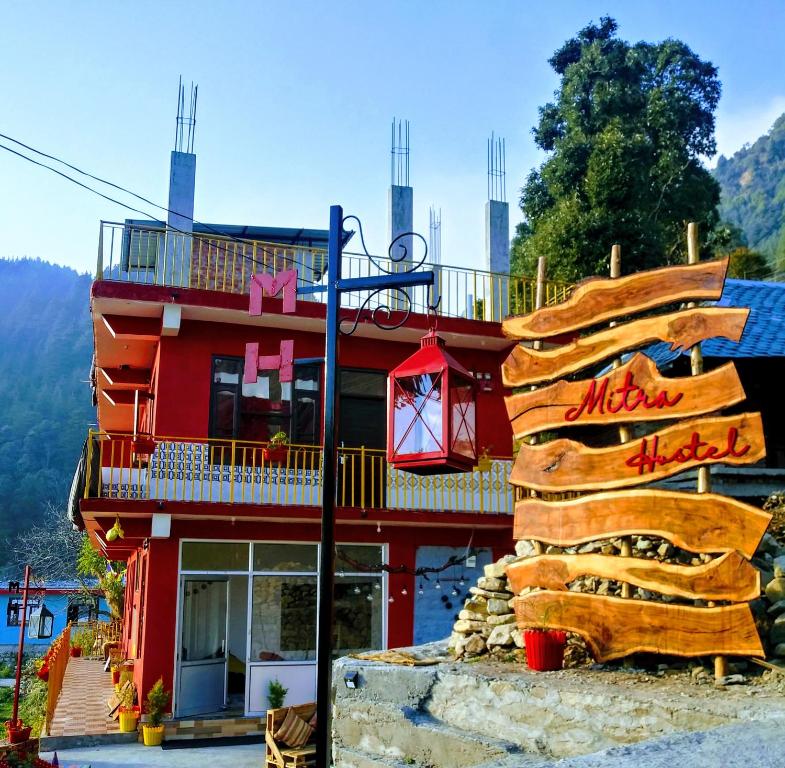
(202,651)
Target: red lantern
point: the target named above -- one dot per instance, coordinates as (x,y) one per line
(431,402)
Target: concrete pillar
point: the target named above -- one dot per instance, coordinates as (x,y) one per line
(401,220)
(497,260)
(176,267)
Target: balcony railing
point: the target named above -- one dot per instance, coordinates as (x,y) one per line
(160,257)
(237,472)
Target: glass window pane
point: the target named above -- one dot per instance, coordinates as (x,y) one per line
(227,370)
(283,622)
(463,426)
(204,620)
(350,557)
(214,556)
(265,408)
(285,557)
(358,615)
(223,413)
(417,417)
(363,383)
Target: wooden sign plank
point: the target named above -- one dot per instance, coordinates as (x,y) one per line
(705,522)
(599,300)
(683,329)
(729,577)
(569,465)
(633,392)
(613,627)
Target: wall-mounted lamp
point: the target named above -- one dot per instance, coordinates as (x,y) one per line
(352,680)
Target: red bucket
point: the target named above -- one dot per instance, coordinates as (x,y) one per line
(545,649)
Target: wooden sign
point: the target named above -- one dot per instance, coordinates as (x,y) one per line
(683,329)
(705,522)
(613,627)
(729,577)
(633,392)
(568,465)
(600,300)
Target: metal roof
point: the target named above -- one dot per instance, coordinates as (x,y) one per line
(764,334)
(285,235)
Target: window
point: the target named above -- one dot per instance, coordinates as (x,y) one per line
(283,624)
(81,608)
(13,613)
(359,604)
(255,412)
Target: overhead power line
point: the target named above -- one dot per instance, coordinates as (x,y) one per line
(133,194)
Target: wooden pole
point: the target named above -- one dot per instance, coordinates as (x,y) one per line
(696,368)
(624,432)
(539,302)
(21,647)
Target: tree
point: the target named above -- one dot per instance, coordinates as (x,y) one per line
(50,548)
(625,134)
(110,574)
(748,265)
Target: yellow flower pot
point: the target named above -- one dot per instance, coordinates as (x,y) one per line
(128,721)
(153,735)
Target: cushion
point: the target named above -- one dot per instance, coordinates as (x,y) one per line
(312,722)
(294,731)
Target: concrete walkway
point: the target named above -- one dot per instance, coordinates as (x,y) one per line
(81,709)
(139,756)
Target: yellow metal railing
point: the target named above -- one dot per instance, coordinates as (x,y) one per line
(59,652)
(240,472)
(159,257)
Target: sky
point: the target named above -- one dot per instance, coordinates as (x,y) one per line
(296,100)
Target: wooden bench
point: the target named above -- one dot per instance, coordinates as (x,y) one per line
(279,755)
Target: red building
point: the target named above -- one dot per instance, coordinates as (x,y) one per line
(220,536)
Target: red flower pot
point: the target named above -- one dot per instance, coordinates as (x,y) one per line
(75,651)
(43,673)
(116,676)
(544,649)
(276,455)
(16,733)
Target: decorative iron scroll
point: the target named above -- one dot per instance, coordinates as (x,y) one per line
(381,315)
(402,259)
(384,310)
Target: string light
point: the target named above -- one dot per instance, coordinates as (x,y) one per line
(390,599)
(420,591)
(437,585)
(454,592)
(369,597)
(356,589)
(404,591)
(378,527)
(376,585)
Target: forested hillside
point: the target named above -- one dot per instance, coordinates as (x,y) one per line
(753,193)
(45,407)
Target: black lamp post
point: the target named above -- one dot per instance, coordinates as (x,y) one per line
(336,286)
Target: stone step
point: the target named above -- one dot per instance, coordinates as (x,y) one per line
(54,743)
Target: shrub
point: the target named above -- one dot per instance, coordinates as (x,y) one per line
(276,694)
(156,703)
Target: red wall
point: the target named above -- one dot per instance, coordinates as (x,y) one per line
(182,395)
(156,655)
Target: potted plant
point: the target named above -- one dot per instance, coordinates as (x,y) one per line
(16,731)
(544,648)
(155,704)
(129,714)
(76,648)
(276,694)
(277,450)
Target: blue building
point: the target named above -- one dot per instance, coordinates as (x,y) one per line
(67,601)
